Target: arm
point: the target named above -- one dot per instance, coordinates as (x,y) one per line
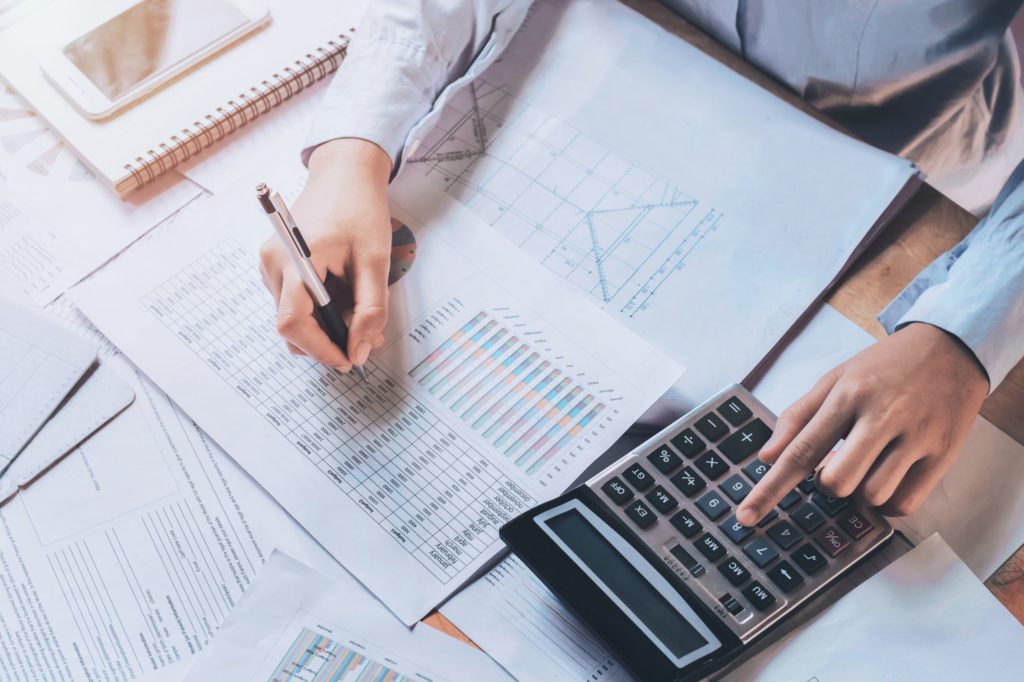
(905,405)
(405,53)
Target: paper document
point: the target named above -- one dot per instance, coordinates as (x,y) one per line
(697,208)
(40,363)
(297,624)
(925,617)
(495,388)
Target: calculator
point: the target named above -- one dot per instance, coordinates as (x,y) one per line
(649,555)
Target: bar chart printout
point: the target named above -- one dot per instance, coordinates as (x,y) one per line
(314,657)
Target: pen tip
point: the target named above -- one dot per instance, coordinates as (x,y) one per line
(361,372)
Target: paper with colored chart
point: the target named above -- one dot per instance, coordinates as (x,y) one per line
(497,386)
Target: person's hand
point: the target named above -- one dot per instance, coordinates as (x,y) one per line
(903,406)
(343,213)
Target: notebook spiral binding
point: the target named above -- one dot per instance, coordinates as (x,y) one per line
(235,114)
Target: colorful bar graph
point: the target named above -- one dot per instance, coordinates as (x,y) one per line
(313,657)
(510,384)
(444,347)
(549,417)
(473,361)
(460,350)
(556,422)
(565,440)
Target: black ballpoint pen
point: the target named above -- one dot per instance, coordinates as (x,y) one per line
(288,231)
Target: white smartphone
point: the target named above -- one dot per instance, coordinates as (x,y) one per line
(122,58)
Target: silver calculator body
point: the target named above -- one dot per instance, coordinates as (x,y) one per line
(648,552)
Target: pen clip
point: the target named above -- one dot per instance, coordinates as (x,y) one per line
(289,221)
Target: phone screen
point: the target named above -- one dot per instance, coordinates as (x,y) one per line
(148,38)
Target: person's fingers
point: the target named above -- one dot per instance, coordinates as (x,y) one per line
(886,473)
(847,466)
(296,324)
(270,273)
(799,458)
(794,418)
(915,486)
(370,310)
(293,349)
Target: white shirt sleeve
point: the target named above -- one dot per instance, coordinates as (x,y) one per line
(404,54)
(976,290)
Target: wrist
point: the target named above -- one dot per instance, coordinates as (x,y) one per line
(936,340)
(351,152)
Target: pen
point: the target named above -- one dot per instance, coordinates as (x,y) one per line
(288,231)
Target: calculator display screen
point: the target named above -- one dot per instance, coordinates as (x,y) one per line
(627,582)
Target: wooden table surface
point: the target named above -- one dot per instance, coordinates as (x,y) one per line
(929,225)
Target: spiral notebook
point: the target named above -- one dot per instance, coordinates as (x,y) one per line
(303,44)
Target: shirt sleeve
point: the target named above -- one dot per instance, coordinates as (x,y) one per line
(976,290)
(404,54)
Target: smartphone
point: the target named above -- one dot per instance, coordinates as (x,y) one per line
(121,59)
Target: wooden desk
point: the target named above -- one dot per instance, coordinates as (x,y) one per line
(928,226)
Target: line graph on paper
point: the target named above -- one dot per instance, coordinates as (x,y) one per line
(598,221)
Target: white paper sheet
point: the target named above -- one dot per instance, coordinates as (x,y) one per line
(925,617)
(486,362)
(653,178)
(297,624)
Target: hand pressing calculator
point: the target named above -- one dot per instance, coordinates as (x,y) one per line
(649,554)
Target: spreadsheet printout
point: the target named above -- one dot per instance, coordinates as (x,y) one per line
(497,386)
(295,623)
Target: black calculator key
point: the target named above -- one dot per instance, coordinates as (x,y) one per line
(758,596)
(855,523)
(768,518)
(688,481)
(688,562)
(736,488)
(810,559)
(756,470)
(786,576)
(734,411)
(639,477)
(688,443)
(686,523)
(832,541)
(745,441)
(809,518)
(712,504)
(760,552)
(734,571)
(661,500)
(731,603)
(829,504)
(807,485)
(711,464)
(784,534)
(617,491)
(640,513)
(711,426)
(664,460)
(791,498)
(734,530)
(711,548)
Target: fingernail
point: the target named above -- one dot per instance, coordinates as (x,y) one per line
(361,353)
(746,516)
(344,369)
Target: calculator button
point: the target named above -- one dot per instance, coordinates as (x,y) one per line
(855,523)
(758,596)
(734,411)
(734,530)
(731,604)
(664,460)
(688,443)
(688,562)
(768,518)
(711,464)
(745,442)
(711,426)
(686,523)
(734,571)
(713,506)
(661,500)
(736,488)
(711,548)
(639,477)
(688,481)
(807,485)
(791,498)
(786,577)
(617,491)
(810,559)
(829,504)
(808,518)
(830,540)
(760,552)
(756,470)
(784,534)
(640,513)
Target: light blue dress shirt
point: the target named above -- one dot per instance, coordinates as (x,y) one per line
(936,81)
